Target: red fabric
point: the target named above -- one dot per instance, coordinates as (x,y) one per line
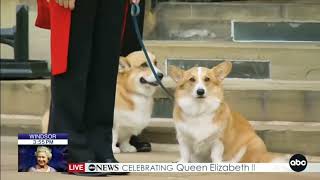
(60,29)
(124,21)
(43,18)
(58,19)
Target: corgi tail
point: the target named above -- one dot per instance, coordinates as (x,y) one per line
(273,158)
(280,159)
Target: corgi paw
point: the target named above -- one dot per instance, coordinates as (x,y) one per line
(116,150)
(127,148)
(182,161)
(219,161)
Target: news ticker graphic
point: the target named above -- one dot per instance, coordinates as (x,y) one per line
(186,167)
(54,148)
(42,152)
(43,139)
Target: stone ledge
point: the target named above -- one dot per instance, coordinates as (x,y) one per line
(168,123)
(239,10)
(260,84)
(31,97)
(284,137)
(14,124)
(230,44)
(296,61)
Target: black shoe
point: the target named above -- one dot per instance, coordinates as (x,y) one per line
(113,160)
(140,146)
(92,174)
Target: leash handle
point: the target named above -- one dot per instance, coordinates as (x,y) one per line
(135,10)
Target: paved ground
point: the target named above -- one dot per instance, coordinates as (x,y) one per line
(9,168)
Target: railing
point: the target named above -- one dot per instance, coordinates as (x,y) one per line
(18,38)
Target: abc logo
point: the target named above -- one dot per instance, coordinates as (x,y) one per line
(298,162)
(91,167)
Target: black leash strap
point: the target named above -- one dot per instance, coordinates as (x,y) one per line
(135,11)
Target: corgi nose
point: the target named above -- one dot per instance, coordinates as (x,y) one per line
(160,75)
(200,92)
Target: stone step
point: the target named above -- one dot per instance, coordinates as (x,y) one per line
(25,97)
(245,1)
(12,125)
(288,61)
(284,137)
(238,10)
(170,148)
(258,99)
(261,100)
(212,21)
(160,153)
(275,31)
(258,84)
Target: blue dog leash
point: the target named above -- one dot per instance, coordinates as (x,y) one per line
(135,11)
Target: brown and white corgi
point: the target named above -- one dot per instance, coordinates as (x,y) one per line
(207,129)
(134,99)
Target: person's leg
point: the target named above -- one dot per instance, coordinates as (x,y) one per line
(69,89)
(130,42)
(102,77)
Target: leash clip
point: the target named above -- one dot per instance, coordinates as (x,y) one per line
(135,9)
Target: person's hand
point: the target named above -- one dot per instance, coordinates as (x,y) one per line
(70,4)
(135,1)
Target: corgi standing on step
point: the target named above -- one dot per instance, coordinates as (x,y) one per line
(207,129)
(134,99)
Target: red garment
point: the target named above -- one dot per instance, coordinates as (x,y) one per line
(58,19)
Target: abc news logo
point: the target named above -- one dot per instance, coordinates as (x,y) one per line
(103,167)
(298,162)
(80,167)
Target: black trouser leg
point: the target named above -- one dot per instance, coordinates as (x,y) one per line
(69,89)
(130,42)
(102,77)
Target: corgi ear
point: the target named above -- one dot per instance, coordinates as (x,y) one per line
(175,73)
(123,64)
(221,70)
(151,55)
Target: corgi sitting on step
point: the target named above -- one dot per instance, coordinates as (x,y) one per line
(134,99)
(207,129)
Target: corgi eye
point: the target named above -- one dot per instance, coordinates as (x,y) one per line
(206,79)
(144,65)
(192,79)
(155,63)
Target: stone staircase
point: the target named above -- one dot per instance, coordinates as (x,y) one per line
(212,20)
(283,106)
(284,113)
